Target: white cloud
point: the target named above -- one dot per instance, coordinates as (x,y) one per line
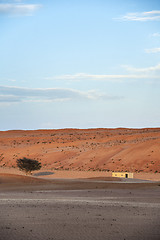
(18,9)
(109,77)
(9,98)
(153,15)
(152,50)
(10,80)
(157,34)
(147,71)
(19,94)
(131,73)
(86,76)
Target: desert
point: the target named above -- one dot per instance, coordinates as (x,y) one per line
(74,195)
(33,208)
(89,150)
(79,120)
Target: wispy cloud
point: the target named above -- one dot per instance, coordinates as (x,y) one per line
(135,73)
(9,98)
(154,70)
(152,50)
(153,15)
(157,34)
(15,9)
(19,94)
(86,76)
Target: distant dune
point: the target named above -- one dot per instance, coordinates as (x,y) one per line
(133,150)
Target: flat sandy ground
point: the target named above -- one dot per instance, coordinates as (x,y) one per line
(70,174)
(70,209)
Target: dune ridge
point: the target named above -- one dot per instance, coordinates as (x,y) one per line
(121,149)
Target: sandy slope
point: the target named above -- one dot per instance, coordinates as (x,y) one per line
(85,150)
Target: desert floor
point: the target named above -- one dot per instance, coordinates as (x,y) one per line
(97,208)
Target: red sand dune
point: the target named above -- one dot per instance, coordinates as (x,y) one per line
(133,150)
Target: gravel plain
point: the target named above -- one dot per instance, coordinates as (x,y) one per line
(48,211)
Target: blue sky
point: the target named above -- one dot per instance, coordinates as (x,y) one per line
(79,64)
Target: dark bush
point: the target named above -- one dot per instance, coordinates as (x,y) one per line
(28,165)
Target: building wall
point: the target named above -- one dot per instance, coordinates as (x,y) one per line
(122,174)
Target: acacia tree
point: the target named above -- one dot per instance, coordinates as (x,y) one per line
(28,165)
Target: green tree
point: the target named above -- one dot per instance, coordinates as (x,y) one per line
(28,165)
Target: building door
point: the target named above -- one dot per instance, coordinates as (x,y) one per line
(126,175)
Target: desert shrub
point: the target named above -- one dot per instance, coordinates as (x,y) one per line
(28,165)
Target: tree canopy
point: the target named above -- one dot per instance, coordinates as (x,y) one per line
(28,165)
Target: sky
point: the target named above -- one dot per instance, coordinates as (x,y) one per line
(79,64)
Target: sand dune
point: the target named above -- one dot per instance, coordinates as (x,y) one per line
(134,150)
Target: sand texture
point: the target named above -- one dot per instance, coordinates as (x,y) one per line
(132,150)
(33,208)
